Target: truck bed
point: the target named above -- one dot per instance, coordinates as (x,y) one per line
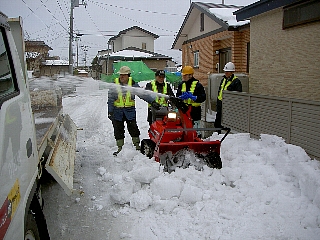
(56,136)
(46,122)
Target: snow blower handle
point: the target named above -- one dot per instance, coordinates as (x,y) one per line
(179,103)
(228,131)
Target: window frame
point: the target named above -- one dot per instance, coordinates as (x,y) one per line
(201,22)
(196,57)
(16,91)
(293,14)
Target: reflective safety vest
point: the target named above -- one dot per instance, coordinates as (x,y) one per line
(162,101)
(224,86)
(124,101)
(192,88)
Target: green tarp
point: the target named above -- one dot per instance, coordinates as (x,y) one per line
(139,72)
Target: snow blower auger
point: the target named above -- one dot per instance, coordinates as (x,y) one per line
(175,143)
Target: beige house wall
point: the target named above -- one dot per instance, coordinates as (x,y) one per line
(284,63)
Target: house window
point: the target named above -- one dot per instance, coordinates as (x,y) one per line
(144,46)
(201,22)
(8,82)
(301,13)
(196,59)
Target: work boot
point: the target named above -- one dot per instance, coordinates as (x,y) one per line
(136,142)
(120,143)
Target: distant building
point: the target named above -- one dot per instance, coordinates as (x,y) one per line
(133,37)
(36,52)
(133,44)
(51,68)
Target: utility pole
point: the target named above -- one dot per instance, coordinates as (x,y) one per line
(71,39)
(77,40)
(85,50)
(74,3)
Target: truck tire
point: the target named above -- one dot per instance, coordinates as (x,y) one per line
(31,228)
(36,226)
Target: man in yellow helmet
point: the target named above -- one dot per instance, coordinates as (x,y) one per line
(159,85)
(121,107)
(229,82)
(193,93)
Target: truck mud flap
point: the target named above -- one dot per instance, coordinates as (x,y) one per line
(60,162)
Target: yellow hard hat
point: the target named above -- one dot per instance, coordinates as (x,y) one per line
(187,70)
(124,70)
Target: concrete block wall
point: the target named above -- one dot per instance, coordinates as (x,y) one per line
(284,63)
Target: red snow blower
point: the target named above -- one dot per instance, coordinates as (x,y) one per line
(175,143)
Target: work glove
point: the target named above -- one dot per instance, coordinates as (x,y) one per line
(155,105)
(110,116)
(187,95)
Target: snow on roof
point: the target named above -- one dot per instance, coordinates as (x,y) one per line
(82,71)
(130,53)
(56,62)
(226,14)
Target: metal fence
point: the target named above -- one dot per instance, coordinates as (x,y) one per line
(297,121)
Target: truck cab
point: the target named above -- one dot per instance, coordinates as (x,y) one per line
(23,154)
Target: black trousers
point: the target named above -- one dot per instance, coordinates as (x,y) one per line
(118,128)
(217,122)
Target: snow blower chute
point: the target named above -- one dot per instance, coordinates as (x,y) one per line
(173,139)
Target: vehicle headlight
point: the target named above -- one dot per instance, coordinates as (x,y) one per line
(172,116)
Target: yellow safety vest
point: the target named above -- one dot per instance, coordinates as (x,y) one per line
(124,101)
(162,101)
(224,86)
(192,88)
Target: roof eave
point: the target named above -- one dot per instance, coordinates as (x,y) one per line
(260,7)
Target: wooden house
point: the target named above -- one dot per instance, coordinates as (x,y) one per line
(210,37)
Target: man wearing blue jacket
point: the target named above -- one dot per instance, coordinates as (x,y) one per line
(121,108)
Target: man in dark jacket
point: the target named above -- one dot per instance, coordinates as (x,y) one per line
(121,107)
(229,82)
(193,93)
(159,85)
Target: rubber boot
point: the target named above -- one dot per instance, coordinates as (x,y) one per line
(120,143)
(136,142)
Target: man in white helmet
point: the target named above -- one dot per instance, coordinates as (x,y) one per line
(229,82)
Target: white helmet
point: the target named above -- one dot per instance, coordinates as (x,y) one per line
(229,67)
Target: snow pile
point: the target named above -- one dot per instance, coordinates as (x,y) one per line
(264,185)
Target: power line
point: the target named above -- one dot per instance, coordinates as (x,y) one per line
(139,10)
(62,11)
(131,18)
(53,16)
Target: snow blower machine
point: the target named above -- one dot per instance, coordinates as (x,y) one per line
(175,143)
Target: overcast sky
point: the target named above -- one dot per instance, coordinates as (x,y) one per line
(48,20)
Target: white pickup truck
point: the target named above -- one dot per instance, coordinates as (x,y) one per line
(35,136)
